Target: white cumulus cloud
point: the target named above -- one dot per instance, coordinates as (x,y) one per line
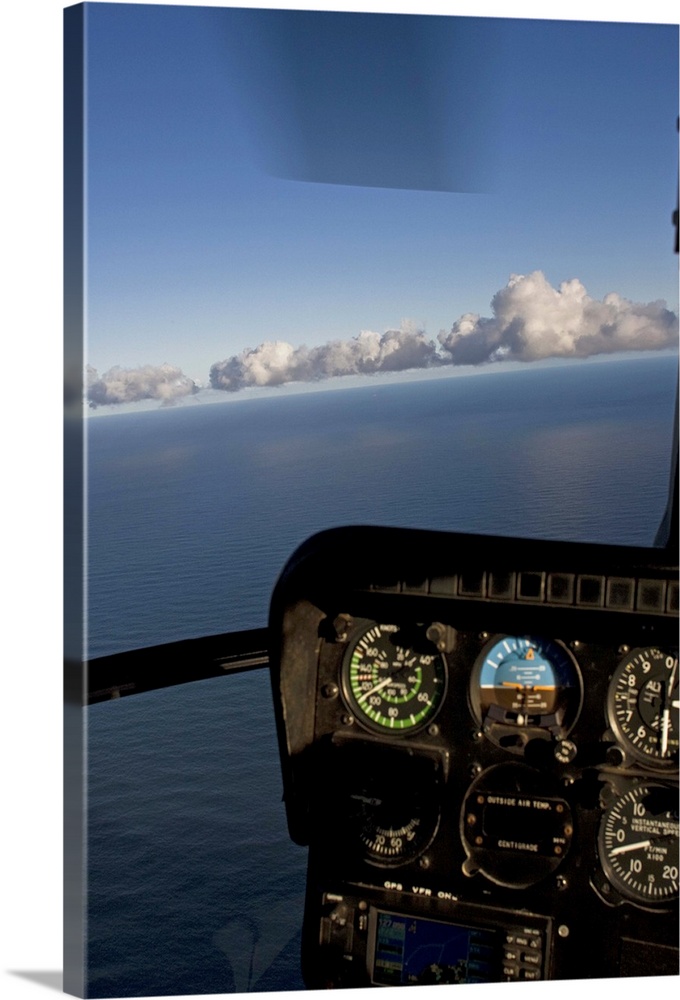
(276,362)
(532,320)
(128,385)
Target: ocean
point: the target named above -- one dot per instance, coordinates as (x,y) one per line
(194,886)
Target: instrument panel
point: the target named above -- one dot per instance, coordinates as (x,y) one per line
(510,707)
(482,758)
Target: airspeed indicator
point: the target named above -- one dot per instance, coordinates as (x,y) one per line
(393,678)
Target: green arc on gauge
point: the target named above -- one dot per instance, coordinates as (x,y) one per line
(390,686)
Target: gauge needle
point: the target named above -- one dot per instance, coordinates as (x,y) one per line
(655,841)
(666,714)
(665,726)
(630,847)
(366,800)
(366,694)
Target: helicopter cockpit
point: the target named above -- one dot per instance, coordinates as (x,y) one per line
(477,731)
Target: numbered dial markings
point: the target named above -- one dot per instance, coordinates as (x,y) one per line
(638,845)
(385,802)
(643,705)
(394,679)
(389,832)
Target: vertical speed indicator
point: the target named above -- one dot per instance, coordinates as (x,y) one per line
(638,844)
(394,678)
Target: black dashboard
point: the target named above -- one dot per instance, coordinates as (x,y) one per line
(479,744)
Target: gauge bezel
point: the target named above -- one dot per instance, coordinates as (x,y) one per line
(627,888)
(381,790)
(415,835)
(359,713)
(525,799)
(624,733)
(501,733)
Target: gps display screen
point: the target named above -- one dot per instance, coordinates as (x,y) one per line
(411,951)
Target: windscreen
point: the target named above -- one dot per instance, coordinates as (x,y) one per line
(354,268)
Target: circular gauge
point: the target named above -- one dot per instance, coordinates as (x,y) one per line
(643,705)
(384,804)
(638,844)
(515,826)
(391,827)
(393,678)
(523,687)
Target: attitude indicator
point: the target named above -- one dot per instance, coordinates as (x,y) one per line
(525,684)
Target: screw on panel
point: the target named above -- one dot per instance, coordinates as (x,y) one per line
(563,931)
(623,650)
(424,862)
(435,633)
(341,625)
(433,729)
(347,720)
(562,882)
(442,636)
(565,751)
(329,691)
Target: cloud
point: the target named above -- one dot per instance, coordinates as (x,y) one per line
(277,362)
(128,385)
(533,320)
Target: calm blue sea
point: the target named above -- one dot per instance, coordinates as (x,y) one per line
(192,512)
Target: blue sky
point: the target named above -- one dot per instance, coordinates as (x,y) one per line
(556,141)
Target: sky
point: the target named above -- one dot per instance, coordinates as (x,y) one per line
(300,179)
(31,69)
